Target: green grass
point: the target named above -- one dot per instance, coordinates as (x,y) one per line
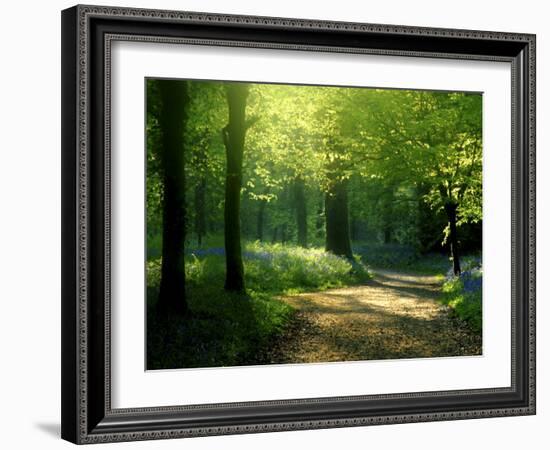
(228,329)
(224,330)
(467,305)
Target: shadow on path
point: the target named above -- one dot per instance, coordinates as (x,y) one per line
(396,315)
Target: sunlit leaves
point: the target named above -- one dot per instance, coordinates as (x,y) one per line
(386,142)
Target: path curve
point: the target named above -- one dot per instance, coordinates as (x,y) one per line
(394,316)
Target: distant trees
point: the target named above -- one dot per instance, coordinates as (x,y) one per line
(319,166)
(440,142)
(427,147)
(300,205)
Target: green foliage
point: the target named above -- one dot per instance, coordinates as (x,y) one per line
(397,158)
(271,268)
(467,304)
(403,152)
(289,269)
(232,329)
(223,329)
(402,257)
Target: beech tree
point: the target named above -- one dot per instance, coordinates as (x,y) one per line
(432,141)
(174,98)
(233,137)
(307,165)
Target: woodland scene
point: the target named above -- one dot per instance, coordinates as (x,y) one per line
(296,224)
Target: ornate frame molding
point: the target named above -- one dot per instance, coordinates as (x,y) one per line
(85,421)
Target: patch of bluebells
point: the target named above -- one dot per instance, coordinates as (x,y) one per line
(463,293)
(386,255)
(471,275)
(469,265)
(472,280)
(261,255)
(212,251)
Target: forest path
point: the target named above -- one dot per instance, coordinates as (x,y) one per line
(396,315)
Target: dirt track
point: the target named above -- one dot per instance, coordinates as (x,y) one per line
(395,316)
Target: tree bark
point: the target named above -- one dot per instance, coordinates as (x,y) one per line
(386,206)
(387,233)
(353,228)
(450,209)
(275,234)
(301,211)
(283,233)
(319,220)
(233,136)
(174,98)
(337,220)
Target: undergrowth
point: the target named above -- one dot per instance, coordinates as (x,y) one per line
(401,257)
(229,329)
(464,293)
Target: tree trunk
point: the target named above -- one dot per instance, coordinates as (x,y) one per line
(174,97)
(319,220)
(337,220)
(275,234)
(200,210)
(353,228)
(260,221)
(301,211)
(387,216)
(387,233)
(283,233)
(450,209)
(233,136)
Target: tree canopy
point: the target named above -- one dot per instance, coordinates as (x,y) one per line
(317,166)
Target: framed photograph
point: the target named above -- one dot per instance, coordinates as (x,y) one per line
(281,224)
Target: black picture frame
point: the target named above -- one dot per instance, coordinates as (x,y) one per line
(87,416)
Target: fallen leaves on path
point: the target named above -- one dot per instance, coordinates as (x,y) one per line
(395,316)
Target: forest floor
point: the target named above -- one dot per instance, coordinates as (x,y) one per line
(396,315)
